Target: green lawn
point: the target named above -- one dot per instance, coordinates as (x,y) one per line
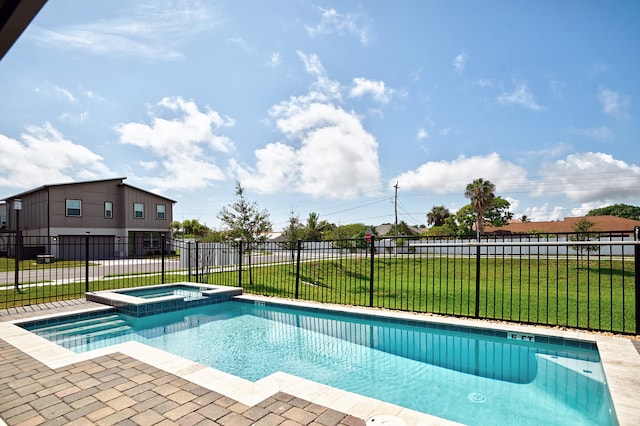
(598,295)
(8,264)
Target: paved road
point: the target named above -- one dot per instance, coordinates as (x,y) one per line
(104,269)
(98,270)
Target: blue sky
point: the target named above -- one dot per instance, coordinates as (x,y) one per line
(323,107)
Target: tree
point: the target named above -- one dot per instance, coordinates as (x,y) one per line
(348,236)
(246,222)
(583,229)
(525,219)
(437,215)
(619,210)
(315,227)
(176,229)
(294,232)
(215,237)
(189,228)
(498,214)
(481,193)
(465,218)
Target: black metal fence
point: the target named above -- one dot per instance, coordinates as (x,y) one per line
(584,281)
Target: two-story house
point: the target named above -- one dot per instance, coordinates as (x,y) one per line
(119,220)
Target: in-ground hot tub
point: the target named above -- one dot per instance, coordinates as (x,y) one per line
(156,299)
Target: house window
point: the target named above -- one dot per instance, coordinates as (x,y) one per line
(138,210)
(74,208)
(108,210)
(3,221)
(160,211)
(151,240)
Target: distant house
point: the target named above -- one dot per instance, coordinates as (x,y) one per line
(57,219)
(387,229)
(602,224)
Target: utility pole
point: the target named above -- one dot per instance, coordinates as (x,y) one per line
(395,205)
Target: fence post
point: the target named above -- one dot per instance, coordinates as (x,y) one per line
(636,261)
(371,277)
(86,263)
(477,311)
(189,261)
(240,263)
(17,253)
(197,262)
(299,249)
(162,255)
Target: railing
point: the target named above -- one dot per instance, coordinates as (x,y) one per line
(575,280)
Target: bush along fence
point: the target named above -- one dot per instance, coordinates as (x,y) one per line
(584,281)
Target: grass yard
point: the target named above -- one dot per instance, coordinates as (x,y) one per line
(599,294)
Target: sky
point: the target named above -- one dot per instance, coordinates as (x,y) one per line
(349,109)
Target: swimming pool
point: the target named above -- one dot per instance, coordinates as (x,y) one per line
(474,376)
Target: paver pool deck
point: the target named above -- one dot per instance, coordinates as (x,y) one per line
(129,384)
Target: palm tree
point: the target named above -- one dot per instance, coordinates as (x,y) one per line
(315,227)
(481,193)
(438,215)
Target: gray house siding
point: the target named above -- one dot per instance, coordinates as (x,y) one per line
(48,227)
(74,247)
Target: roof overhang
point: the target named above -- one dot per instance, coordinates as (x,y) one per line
(15,16)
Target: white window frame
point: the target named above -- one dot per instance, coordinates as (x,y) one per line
(161,211)
(137,210)
(69,206)
(108,210)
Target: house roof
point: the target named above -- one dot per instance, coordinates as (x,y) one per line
(385,228)
(602,224)
(15,16)
(120,181)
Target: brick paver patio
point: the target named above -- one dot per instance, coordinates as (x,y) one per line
(117,389)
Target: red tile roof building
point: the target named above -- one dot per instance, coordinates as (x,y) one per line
(602,224)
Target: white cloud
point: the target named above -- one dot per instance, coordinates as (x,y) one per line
(334,22)
(185,143)
(335,158)
(329,153)
(544,213)
(83,116)
(148,165)
(65,93)
(313,65)
(600,134)
(613,103)
(422,134)
(324,89)
(445,177)
(460,62)
(150,30)
(44,156)
(242,43)
(274,60)
(483,82)
(520,96)
(377,89)
(591,177)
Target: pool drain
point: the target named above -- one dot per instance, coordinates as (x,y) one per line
(478,398)
(385,420)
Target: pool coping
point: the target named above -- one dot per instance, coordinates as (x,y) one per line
(621,364)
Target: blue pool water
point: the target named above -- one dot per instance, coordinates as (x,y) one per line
(471,378)
(188,292)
